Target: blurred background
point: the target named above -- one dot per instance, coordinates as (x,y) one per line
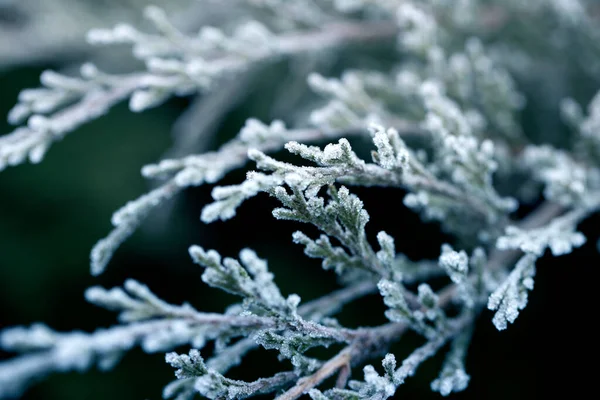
(52,214)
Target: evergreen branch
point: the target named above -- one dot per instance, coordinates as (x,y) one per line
(209,167)
(96,93)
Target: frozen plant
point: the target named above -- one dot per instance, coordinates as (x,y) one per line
(435,93)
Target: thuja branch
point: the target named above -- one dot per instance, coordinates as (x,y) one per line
(389,333)
(85,349)
(372,342)
(442,79)
(66,103)
(209,167)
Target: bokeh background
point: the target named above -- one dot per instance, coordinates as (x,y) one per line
(52,214)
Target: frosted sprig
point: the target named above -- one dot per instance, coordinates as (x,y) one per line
(79,351)
(209,167)
(453,377)
(481,86)
(342,218)
(136,302)
(449,118)
(466,272)
(560,236)
(419,28)
(337,162)
(190,63)
(422,314)
(191,371)
(176,64)
(455,263)
(251,279)
(511,296)
(499,100)
(351,103)
(229,198)
(460,156)
(334,257)
(365,97)
(565,180)
(459,171)
(61,106)
(125,221)
(169,41)
(392,152)
(375,384)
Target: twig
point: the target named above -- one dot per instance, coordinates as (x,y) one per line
(328,369)
(343,376)
(374,340)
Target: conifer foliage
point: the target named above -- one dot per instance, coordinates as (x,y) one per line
(441,117)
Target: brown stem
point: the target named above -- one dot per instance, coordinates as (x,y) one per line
(343,376)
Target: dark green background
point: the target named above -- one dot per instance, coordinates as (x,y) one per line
(52,214)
